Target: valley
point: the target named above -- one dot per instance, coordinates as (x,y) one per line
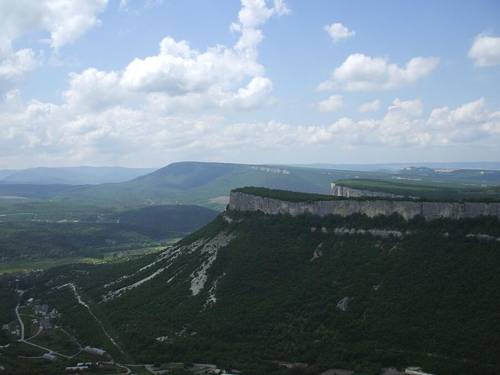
(249,187)
(280,294)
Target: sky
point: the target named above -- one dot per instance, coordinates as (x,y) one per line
(146,83)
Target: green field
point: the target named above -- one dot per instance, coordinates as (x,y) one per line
(43,264)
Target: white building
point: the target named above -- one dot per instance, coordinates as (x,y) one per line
(95,351)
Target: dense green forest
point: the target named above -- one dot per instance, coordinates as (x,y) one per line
(24,240)
(427,297)
(167,221)
(29,240)
(285,195)
(442,191)
(9,299)
(406,191)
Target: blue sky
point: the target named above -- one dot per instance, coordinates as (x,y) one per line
(86,81)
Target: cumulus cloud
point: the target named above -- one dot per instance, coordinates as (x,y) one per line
(338,32)
(331,104)
(372,106)
(252,15)
(56,134)
(92,90)
(179,76)
(485,50)
(172,105)
(172,100)
(178,69)
(64,20)
(17,63)
(364,73)
(411,107)
(255,94)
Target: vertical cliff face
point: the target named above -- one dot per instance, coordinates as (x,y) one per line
(347,192)
(407,209)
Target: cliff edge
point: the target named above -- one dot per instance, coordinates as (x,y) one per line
(408,209)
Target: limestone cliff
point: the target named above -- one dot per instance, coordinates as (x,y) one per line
(344,207)
(348,192)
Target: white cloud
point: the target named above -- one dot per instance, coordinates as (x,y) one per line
(64,20)
(466,123)
(410,107)
(364,73)
(168,102)
(181,77)
(178,69)
(485,50)
(172,105)
(469,114)
(93,90)
(57,134)
(331,104)
(253,14)
(255,94)
(16,64)
(337,32)
(372,106)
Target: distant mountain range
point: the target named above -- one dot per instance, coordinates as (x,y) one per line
(207,184)
(488,165)
(71,175)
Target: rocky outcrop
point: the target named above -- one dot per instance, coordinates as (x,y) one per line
(344,207)
(348,192)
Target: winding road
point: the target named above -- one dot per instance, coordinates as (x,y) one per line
(99,322)
(23,340)
(81,302)
(21,323)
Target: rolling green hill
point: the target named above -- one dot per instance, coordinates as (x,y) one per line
(206,184)
(249,291)
(209,184)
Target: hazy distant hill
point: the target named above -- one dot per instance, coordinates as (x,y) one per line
(6,172)
(206,184)
(488,165)
(34,191)
(71,175)
(209,184)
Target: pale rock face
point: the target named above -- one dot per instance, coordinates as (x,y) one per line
(347,192)
(209,252)
(318,253)
(343,304)
(407,209)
